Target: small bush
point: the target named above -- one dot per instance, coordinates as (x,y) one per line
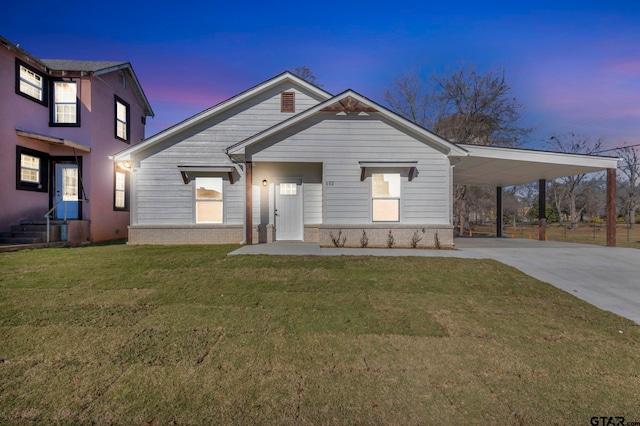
(338,240)
(416,238)
(364,240)
(436,241)
(391,241)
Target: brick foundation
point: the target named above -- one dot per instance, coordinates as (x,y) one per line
(378,235)
(186,234)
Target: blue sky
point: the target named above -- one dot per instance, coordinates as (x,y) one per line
(574,65)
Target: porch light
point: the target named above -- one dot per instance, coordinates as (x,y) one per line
(264,182)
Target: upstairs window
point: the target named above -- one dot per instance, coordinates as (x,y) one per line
(65,111)
(122,120)
(30,83)
(209,204)
(288,102)
(385,192)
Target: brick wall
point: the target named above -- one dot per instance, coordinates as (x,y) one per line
(378,235)
(200,234)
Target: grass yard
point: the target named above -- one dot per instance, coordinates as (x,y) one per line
(186,335)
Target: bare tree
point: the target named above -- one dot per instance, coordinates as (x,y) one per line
(480,106)
(412,98)
(465,106)
(305,73)
(629,182)
(573,186)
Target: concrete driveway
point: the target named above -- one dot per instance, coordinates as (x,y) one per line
(608,278)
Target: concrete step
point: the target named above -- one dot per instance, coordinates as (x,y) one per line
(21,240)
(34,231)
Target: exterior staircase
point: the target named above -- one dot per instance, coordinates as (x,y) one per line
(33,232)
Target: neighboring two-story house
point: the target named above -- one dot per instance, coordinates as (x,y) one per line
(60,120)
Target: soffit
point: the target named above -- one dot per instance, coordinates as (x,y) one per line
(491,166)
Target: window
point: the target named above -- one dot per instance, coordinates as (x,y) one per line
(122,119)
(29,168)
(32,170)
(209,204)
(288,189)
(64,111)
(121,190)
(385,191)
(30,83)
(287,102)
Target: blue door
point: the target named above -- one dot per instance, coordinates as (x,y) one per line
(66,191)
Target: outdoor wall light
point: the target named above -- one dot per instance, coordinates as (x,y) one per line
(264,182)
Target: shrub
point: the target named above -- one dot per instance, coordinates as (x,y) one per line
(338,240)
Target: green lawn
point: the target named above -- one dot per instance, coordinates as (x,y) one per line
(186,335)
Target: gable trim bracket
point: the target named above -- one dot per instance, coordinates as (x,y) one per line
(411,165)
(348,104)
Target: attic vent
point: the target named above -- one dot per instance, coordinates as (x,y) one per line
(122,78)
(287,102)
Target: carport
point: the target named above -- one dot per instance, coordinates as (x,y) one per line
(499,167)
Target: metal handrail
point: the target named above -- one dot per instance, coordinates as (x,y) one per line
(48,214)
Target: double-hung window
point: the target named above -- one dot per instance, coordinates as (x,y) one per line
(121,190)
(30,83)
(209,201)
(65,111)
(32,168)
(122,119)
(385,192)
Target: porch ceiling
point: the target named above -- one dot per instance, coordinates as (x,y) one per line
(492,166)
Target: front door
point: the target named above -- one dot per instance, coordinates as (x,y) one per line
(66,191)
(289,223)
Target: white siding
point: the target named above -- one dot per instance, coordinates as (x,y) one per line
(340,142)
(312,203)
(161,195)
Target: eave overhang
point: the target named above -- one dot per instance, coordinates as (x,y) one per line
(52,140)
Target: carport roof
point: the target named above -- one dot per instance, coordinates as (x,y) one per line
(494,166)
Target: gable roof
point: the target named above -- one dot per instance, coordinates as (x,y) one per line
(217,109)
(99,68)
(95,67)
(74,65)
(345,101)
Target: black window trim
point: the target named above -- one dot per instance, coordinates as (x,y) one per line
(45,83)
(43,185)
(127,189)
(53,104)
(115,118)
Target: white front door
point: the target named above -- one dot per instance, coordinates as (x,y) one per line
(289,222)
(66,191)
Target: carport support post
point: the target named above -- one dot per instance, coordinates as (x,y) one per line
(542,209)
(248,212)
(611,207)
(499,218)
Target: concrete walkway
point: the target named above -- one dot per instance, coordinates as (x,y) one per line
(606,277)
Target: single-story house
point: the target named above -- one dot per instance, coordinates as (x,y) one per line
(288,161)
